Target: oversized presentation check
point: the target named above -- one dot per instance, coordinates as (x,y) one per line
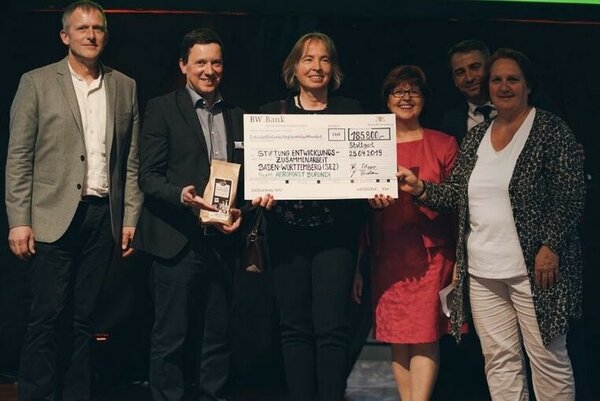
(320,156)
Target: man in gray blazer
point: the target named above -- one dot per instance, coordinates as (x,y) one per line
(71,191)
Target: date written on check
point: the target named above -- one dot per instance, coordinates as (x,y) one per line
(320,156)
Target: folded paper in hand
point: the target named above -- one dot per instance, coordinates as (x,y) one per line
(446,298)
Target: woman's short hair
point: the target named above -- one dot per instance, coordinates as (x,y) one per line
(288,72)
(522,61)
(404,73)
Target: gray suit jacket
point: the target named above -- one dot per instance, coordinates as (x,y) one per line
(46,159)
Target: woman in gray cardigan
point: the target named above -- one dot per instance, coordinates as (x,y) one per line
(518,189)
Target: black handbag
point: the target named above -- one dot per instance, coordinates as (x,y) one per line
(256,354)
(254,260)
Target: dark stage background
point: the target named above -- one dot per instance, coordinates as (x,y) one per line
(371,38)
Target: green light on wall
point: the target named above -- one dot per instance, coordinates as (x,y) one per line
(549,1)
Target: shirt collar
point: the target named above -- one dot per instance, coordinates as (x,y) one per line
(473,106)
(196,97)
(96,82)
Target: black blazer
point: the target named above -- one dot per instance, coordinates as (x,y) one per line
(174,154)
(454,121)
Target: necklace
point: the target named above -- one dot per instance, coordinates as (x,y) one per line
(302,107)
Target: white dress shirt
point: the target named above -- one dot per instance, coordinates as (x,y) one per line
(92,107)
(474,117)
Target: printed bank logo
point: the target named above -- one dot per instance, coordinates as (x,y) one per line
(267,119)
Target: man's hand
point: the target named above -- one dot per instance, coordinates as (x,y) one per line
(22,242)
(126,239)
(237,220)
(190,198)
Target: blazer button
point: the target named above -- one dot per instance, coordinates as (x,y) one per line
(82,157)
(78,186)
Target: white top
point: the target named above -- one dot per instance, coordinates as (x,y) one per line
(475,117)
(493,245)
(92,107)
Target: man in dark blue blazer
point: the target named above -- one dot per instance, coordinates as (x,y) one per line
(467,61)
(183,132)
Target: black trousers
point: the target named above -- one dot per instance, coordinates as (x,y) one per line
(192,297)
(313,273)
(66,278)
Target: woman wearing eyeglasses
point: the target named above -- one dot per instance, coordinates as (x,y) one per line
(412,247)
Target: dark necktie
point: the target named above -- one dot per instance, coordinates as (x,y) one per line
(485,111)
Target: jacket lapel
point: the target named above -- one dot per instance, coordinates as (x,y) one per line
(188,112)
(528,148)
(228,131)
(66,84)
(462,122)
(111,104)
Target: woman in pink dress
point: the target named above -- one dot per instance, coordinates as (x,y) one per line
(412,247)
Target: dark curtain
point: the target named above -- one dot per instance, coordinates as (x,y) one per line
(146,47)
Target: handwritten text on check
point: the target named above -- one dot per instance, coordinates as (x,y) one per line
(320,156)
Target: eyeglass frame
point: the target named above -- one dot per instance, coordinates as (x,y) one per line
(412,93)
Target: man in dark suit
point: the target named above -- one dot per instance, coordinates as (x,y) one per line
(71,191)
(183,132)
(467,61)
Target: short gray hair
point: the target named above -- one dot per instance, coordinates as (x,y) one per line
(85,5)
